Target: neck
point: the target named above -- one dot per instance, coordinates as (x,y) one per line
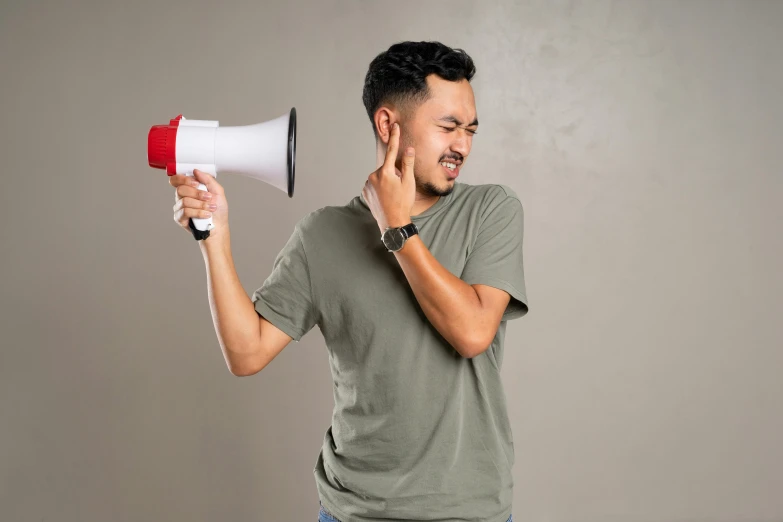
(422,203)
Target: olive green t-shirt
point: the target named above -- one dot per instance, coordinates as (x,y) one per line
(418,432)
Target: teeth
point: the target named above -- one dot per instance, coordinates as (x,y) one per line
(451,166)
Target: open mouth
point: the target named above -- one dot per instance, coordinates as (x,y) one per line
(452,169)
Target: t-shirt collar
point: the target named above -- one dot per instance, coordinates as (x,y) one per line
(442,202)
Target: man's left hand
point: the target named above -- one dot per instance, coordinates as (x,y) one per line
(389,192)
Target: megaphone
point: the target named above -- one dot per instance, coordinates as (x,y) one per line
(265,151)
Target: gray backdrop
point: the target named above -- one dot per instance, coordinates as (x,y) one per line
(643,139)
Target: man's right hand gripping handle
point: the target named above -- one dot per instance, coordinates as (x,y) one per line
(190,202)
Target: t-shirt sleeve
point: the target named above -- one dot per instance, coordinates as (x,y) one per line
(495,258)
(284,299)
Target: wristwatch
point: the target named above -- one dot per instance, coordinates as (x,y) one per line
(394,238)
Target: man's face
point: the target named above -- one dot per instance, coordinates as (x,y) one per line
(440,130)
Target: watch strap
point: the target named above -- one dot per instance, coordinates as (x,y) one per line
(409,230)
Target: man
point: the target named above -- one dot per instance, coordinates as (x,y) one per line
(411,284)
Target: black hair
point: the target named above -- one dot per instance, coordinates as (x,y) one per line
(398,75)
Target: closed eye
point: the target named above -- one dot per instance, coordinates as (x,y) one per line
(454,128)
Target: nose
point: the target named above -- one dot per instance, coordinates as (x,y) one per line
(461,144)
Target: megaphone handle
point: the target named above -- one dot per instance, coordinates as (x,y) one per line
(200,227)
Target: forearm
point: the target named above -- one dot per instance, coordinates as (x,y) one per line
(233,314)
(452,306)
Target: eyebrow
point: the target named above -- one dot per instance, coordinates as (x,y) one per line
(452,119)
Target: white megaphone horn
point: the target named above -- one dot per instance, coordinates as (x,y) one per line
(265,151)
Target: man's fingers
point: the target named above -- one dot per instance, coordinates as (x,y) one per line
(180,179)
(208,180)
(188,191)
(391,150)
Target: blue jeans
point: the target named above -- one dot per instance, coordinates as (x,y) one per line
(325,516)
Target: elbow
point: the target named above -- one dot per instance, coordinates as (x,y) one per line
(471,346)
(238,372)
(246,368)
(243,364)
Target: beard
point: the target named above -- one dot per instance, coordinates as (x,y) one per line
(430,189)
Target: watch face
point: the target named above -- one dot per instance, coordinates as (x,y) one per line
(393,239)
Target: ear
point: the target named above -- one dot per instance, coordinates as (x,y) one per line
(383,120)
